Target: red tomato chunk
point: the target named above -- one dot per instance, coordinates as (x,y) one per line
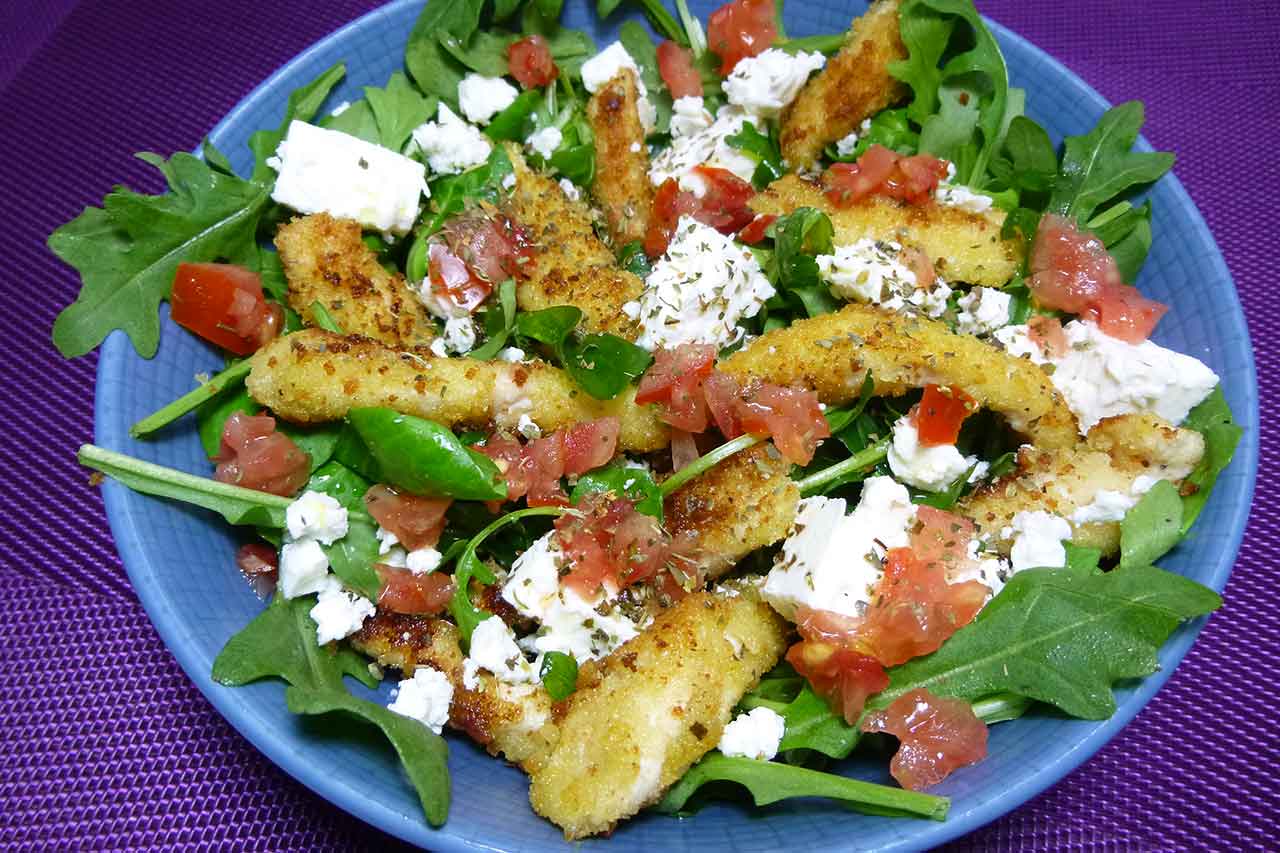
(610,544)
(416,521)
(530,62)
(884,172)
(255,456)
(755,230)
(723,205)
(841,674)
(675,64)
(534,469)
(940,414)
(937,734)
(740,29)
(223,303)
(417,595)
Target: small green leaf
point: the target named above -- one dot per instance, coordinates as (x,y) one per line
(559,675)
(1152,527)
(1213,420)
(304,102)
(624,481)
(230,377)
(351,557)
(398,109)
(503,322)
(604,364)
(425,458)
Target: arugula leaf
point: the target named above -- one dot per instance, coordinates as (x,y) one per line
(398,109)
(503,320)
(1126,232)
(230,377)
(770,781)
(662,20)
(281,643)
(569,48)
(432,68)
(485,52)
(351,557)
(799,237)
(1029,161)
(811,724)
(1152,527)
(516,121)
(357,120)
(322,319)
(450,193)
(1213,420)
(128,250)
(1101,165)
(625,481)
(889,128)
(763,149)
(304,102)
(559,674)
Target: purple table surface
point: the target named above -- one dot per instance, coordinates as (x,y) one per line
(108,746)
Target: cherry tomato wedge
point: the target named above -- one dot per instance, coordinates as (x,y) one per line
(740,29)
(223,303)
(530,62)
(940,413)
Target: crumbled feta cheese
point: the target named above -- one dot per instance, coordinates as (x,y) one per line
(493,648)
(1016,341)
(545,141)
(327,171)
(766,83)
(570,189)
(1111,505)
(1037,540)
(832,561)
(509,180)
(689,116)
(873,271)
(315,515)
(303,567)
(931,302)
(340,109)
(988,569)
(424,698)
(338,613)
(420,561)
(605,65)
(509,400)
(954,195)
(708,146)
(481,98)
(511,355)
(982,311)
(459,337)
(755,734)
(1101,376)
(386,540)
(846,144)
(527,428)
(450,145)
(699,291)
(929,467)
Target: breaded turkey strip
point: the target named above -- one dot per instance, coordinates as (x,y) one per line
(621,186)
(746,502)
(1061,481)
(572,266)
(325,261)
(963,246)
(313,376)
(831,354)
(854,85)
(506,719)
(643,715)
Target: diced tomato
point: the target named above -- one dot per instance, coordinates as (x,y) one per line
(882,171)
(1046,333)
(669,204)
(675,382)
(529,60)
(684,449)
(543,459)
(675,64)
(937,734)
(416,521)
(609,544)
(507,454)
(223,303)
(259,564)
(940,414)
(721,203)
(942,537)
(918,262)
(724,398)
(740,29)
(754,232)
(1073,271)
(405,592)
(791,416)
(255,456)
(845,677)
(590,445)
(452,281)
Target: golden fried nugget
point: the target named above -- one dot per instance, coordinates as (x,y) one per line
(621,186)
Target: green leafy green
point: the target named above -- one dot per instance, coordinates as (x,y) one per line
(351,557)
(550,325)
(633,259)
(799,237)
(356,120)
(662,20)
(500,321)
(1152,527)
(889,128)
(559,675)
(128,250)
(397,109)
(281,643)
(322,319)
(635,38)
(1212,419)
(230,377)
(449,195)
(432,68)
(1126,232)
(304,102)
(764,149)
(1029,162)
(516,121)
(604,364)
(624,481)
(425,458)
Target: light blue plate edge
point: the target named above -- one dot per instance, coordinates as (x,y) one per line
(124,528)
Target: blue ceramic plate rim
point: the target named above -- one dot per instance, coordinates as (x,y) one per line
(126,515)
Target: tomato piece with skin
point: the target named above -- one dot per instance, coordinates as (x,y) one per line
(253,455)
(416,595)
(590,445)
(415,520)
(790,416)
(938,735)
(529,60)
(507,454)
(675,64)
(724,201)
(669,204)
(723,398)
(882,171)
(609,544)
(543,459)
(918,262)
(260,565)
(845,677)
(942,537)
(740,29)
(687,365)
(224,304)
(940,414)
(754,231)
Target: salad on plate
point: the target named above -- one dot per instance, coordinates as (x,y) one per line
(682,410)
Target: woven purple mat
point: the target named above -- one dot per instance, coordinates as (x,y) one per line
(108,746)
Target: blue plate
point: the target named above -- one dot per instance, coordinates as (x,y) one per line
(180,559)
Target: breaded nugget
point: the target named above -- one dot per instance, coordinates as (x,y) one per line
(854,85)
(572,266)
(325,261)
(744,503)
(643,715)
(831,354)
(621,186)
(313,376)
(1061,481)
(964,246)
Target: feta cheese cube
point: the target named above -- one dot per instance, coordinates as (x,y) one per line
(1037,540)
(545,141)
(767,83)
(494,649)
(338,613)
(303,568)
(327,171)
(929,467)
(699,291)
(318,516)
(605,65)
(450,145)
(481,98)
(424,698)
(755,734)
(982,311)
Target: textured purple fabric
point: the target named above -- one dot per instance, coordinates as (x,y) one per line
(108,746)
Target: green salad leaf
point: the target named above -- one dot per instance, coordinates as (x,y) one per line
(1152,526)
(304,102)
(397,109)
(229,377)
(889,128)
(351,557)
(1213,420)
(500,321)
(357,120)
(764,149)
(602,364)
(624,481)
(559,674)
(799,237)
(425,458)
(281,643)
(432,67)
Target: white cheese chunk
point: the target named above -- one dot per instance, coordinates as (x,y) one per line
(699,291)
(767,83)
(605,65)
(315,515)
(1037,540)
(327,171)
(303,568)
(450,145)
(481,98)
(420,561)
(459,337)
(545,141)
(954,195)
(707,146)
(689,116)
(511,355)
(570,189)
(1016,340)
(832,561)
(929,467)
(846,145)
(755,734)
(494,649)
(386,540)
(424,698)
(872,271)
(1112,505)
(338,613)
(983,310)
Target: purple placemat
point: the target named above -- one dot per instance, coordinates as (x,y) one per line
(108,746)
